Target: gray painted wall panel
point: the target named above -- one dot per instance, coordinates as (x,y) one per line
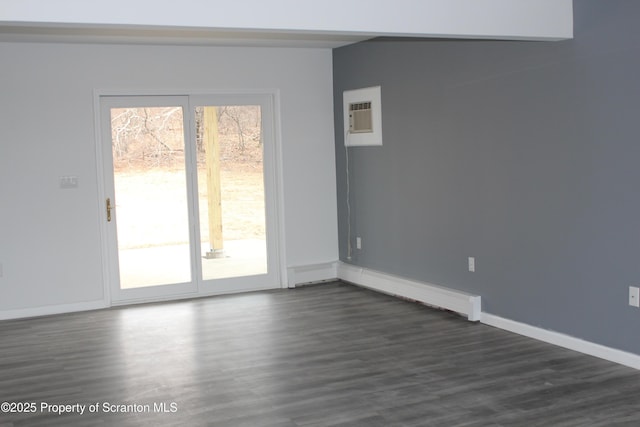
(525,155)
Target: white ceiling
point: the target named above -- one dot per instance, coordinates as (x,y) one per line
(279,23)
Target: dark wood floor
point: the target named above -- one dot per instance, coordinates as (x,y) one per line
(326,355)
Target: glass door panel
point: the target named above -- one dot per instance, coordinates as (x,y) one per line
(150,191)
(231,193)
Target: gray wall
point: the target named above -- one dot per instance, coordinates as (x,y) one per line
(525,155)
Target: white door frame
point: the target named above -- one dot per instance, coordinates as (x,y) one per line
(274,203)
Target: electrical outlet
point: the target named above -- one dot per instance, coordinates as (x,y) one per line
(634,296)
(358,242)
(472,264)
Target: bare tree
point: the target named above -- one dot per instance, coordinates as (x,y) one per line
(246,121)
(151,136)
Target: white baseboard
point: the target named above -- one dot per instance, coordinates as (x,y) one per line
(51,309)
(470,305)
(607,353)
(427,293)
(311,273)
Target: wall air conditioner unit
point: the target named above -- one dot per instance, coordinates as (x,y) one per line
(362,117)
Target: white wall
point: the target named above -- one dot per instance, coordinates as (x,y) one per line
(50,238)
(454,18)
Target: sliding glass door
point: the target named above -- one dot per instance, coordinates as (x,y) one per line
(189,184)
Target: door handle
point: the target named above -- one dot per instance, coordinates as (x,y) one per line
(108,209)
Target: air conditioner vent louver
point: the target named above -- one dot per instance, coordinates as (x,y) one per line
(360,106)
